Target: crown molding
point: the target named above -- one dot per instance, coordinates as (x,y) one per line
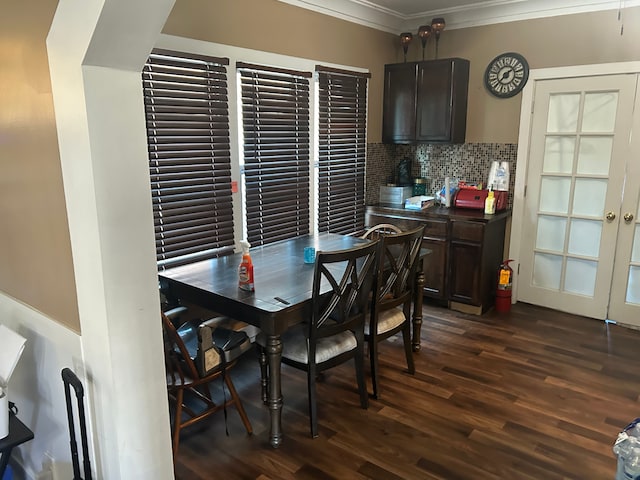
(472,15)
(356,11)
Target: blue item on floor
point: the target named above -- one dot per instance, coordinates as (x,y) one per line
(8,473)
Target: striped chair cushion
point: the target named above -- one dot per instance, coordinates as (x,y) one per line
(294,345)
(387,320)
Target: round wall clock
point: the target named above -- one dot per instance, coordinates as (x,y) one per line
(506,75)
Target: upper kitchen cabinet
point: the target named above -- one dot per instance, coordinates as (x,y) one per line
(425,101)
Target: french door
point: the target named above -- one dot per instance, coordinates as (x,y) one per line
(580,237)
(624,304)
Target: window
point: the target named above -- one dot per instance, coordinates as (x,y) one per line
(299,149)
(275,125)
(342,147)
(187,114)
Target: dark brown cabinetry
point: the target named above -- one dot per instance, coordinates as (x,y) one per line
(435,239)
(466,251)
(425,101)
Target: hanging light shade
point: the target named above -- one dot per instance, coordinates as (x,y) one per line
(405,40)
(437,25)
(424,32)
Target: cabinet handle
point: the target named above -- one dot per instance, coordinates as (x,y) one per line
(628,217)
(611,216)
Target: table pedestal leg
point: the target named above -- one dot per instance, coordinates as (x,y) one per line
(264,374)
(274,354)
(417,309)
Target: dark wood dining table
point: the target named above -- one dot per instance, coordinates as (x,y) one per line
(282,296)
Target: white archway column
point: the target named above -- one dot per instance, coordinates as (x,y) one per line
(96,52)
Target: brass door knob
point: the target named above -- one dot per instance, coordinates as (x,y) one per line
(611,216)
(628,217)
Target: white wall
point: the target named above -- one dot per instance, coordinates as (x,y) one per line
(37,388)
(96,51)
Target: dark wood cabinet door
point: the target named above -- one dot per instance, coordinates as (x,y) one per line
(425,101)
(441,104)
(399,108)
(435,269)
(464,272)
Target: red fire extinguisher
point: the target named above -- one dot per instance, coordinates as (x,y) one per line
(503,292)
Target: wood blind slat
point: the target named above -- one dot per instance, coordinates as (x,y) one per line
(342,150)
(187,115)
(276,124)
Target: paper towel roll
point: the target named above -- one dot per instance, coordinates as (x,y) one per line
(447,192)
(491,179)
(502,177)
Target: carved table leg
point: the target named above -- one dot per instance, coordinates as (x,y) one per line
(264,374)
(274,354)
(417,309)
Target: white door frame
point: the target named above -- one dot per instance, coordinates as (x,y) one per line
(524,139)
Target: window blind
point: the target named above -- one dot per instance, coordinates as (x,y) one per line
(187,116)
(342,150)
(275,122)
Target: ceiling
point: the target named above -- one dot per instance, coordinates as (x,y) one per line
(395,16)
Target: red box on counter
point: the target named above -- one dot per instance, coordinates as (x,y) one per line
(474,199)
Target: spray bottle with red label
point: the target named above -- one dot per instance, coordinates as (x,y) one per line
(245,271)
(503,291)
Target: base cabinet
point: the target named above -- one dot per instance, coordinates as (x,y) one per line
(464,273)
(466,251)
(434,238)
(435,269)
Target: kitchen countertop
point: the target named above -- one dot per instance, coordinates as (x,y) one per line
(440,212)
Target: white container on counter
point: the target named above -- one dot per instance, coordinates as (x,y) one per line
(499,176)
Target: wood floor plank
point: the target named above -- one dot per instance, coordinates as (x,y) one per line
(530,394)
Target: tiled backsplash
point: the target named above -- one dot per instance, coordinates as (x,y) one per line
(469,162)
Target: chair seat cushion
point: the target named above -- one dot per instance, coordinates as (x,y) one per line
(294,345)
(233,343)
(188,331)
(233,324)
(387,320)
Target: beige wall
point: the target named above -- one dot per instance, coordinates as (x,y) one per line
(35,252)
(35,258)
(552,42)
(272,26)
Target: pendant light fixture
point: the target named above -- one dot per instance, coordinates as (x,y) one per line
(424,32)
(437,25)
(405,40)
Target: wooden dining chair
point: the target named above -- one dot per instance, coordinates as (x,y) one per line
(376,231)
(335,332)
(398,254)
(191,369)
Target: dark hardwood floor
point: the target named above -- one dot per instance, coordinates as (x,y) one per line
(533,394)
